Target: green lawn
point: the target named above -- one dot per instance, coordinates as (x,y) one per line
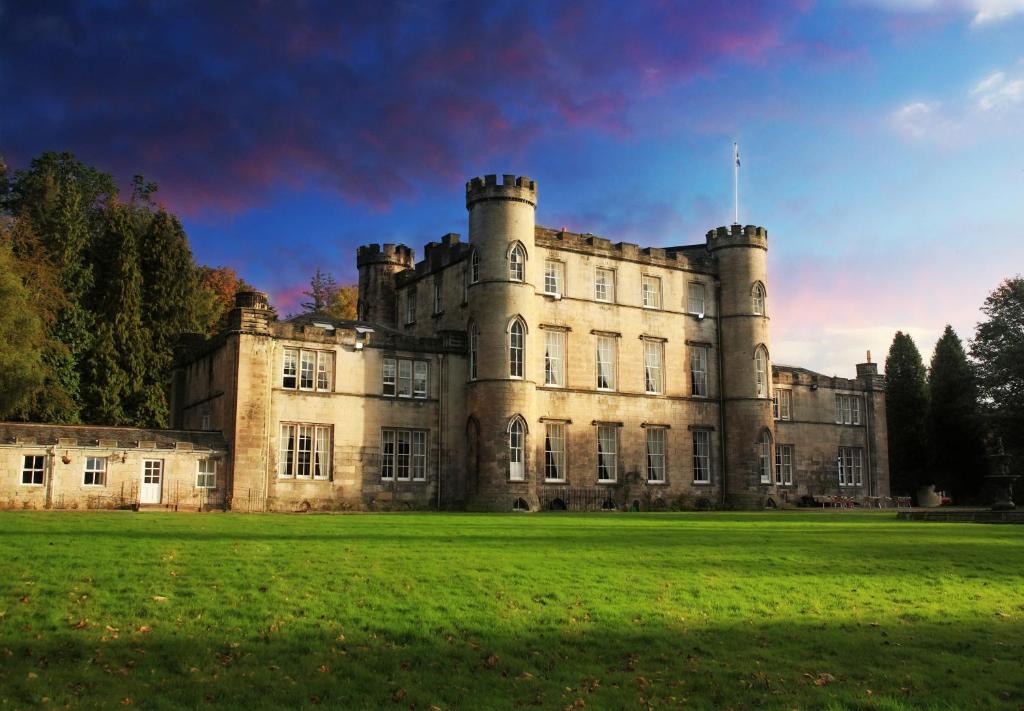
(775,610)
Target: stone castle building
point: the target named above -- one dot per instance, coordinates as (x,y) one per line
(528,368)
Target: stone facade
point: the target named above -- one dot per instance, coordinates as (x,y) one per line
(533,368)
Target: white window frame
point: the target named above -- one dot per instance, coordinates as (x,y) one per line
(516,349)
(607,454)
(554,277)
(696,298)
(554,452)
(290,464)
(517,263)
(761,372)
(701,456)
(604,285)
(298,363)
(419,379)
(656,443)
(699,371)
(654,367)
(650,291)
(206,479)
(474,267)
(757,299)
(765,458)
(782,404)
(389,377)
(848,409)
(92,468)
(290,368)
(404,377)
(784,464)
(850,461)
(34,470)
(403,454)
(608,347)
(517,449)
(554,358)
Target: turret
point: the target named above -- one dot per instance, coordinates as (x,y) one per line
(504,273)
(378,265)
(251,314)
(745,357)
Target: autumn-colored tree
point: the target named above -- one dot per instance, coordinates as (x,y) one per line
(218,286)
(342,304)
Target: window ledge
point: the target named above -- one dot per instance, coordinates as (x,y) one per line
(701,483)
(657,483)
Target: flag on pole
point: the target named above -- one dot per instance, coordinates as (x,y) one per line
(736,152)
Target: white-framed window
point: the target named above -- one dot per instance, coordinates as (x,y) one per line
(851,466)
(516,348)
(95,471)
(654,354)
(701,457)
(761,371)
(656,454)
(604,285)
(699,371)
(474,350)
(517,263)
(651,291)
(847,409)
(438,295)
(554,358)
(307,370)
(404,378)
(782,404)
(695,298)
(757,299)
(554,451)
(606,362)
(419,378)
(389,377)
(304,451)
(474,267)
(784,464)
(206,474)
(554,277)
(516,449)
(33,469)
(764,457)
(403,454)
(410,304)
(607,453)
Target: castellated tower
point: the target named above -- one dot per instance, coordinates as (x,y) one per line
(745,352)
(501,306)
(377,269)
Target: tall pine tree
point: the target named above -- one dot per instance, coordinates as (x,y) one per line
(955,445)
(906,406)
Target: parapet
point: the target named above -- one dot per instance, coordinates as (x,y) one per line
(397,254)
(521,189)
(736,235)
(686,257)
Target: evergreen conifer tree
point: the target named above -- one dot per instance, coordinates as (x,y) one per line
(21,339)
(906,406)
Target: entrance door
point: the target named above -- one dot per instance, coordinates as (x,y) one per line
(152,481)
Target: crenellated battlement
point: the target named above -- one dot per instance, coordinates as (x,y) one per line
(737,235)
(436,257)
(681,257)
(519,188)
(397,254)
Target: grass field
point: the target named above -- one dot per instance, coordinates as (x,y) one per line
(774,610)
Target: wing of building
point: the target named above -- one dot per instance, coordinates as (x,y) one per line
(532,368)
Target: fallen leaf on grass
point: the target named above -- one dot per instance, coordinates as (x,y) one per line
(126,701)
(398,696)
(159,598)
(322,669)
(23,599)
(491,661)
(145,629)
(80,624)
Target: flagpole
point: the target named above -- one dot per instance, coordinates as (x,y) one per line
(736,180)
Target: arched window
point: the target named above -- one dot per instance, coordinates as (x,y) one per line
(516,449)
(474,349)
(761,368)
(757,299)
(764,457)
(517,263)
(474,267)
(516,348)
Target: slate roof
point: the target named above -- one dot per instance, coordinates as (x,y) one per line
(126,437)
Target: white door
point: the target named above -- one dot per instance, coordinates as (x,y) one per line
(152,481)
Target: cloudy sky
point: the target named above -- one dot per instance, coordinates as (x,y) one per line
(882,141)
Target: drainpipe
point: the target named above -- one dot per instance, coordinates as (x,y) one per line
(721,390)
(442,378)
(48,474)
(867,440)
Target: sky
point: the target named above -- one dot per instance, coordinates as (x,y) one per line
(881,140)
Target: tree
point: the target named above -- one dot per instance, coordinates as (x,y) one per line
(955,445)
(998,354)
(342,304)
(906,405)
(218,286)
(21,339)
(322,288)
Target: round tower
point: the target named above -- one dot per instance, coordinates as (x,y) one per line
(504,342)
(378,265)
(745,360)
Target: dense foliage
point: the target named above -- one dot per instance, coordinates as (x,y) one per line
(906,404)
(96,292)
(329,298)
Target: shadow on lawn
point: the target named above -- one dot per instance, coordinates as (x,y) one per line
(961,665)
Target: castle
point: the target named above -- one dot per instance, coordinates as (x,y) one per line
(526,369)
